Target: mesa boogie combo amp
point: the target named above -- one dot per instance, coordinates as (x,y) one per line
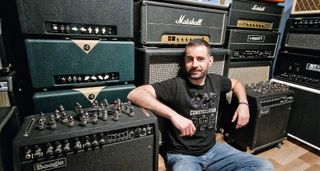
(117,136)
(163,23)
(303,32)
(255,15)
(252,44)
(77,18)
(71,63)
(48,101)
(270,108)
(305,7)
(298,67)
(159,64)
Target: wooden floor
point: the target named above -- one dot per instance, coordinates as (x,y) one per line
(291,156)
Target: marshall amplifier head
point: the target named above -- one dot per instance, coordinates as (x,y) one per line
(159,64)
(303,32)
(166,23)
(117,136)
(72,63)
(303,7)
(77,18)
(252,44)
(255,15)
(204,3)
(48,101)
(298,66)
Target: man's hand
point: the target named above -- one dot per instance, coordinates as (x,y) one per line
(185,125)
(242,115)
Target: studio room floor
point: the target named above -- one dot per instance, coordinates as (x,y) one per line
(291,156)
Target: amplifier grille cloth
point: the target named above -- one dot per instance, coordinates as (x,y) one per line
(248,75)
(307,5)
(164,68)
(309,41)
(4,99)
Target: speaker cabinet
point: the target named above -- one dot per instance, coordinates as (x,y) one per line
(159,64)
(305,7)
(250,72)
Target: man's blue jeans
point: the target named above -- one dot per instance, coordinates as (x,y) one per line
(221,157)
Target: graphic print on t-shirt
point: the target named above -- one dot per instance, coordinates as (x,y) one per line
(204,110)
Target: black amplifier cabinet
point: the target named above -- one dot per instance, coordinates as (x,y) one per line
(255,15)
(120,140)
(159,64)
(270,108)
(77,18)
(48,101)
(67,63)
(179,24)
(252,44)
(7,84)
(203,3)
(5,48)
(9,126)
(299,67)
(303,32)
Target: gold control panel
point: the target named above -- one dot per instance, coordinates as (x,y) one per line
(254,24)
(181,39)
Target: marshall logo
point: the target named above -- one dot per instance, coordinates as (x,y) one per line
(51,164)
(258,8)
(186,21)
(255,38)
(313,67)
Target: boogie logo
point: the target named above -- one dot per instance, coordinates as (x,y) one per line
(50,165)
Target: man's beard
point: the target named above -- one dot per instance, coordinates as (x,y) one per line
(197,77)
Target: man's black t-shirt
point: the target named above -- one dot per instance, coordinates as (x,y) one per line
(198,103)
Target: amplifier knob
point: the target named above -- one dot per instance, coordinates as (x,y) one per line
(28,154)
(87,144)
(106,77)
(49,151)
(66,147)
(77,145)
(38,152)
(58,148)
(103,30)
(95,143)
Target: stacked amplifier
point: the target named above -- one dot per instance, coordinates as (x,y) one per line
(252,35)
(298,65)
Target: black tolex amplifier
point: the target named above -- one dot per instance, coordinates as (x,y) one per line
(48,101)
(73,63)
(252,44)
(255,15)
(203,3)
(117,136)
(167,23)
(270,108)
(77,18)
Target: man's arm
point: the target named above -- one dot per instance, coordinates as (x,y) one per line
(242,113)
(145,97)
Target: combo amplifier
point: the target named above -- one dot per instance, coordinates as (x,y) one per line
(255,15)
(117,136)
(70,63)
(167,23)
(5,48)
(298,67)
(48,101)
(7,84)
(303,32)
(252,44)
(303,7)
(204,3)
(270,107)
(159,64)
(77,18)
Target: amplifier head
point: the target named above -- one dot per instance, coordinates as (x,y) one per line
(159,64)
(77,18)
(255,15)
(204,3)
(74,63)
(303,7)
(117,136)
(7,84)
(48,101)
(179,24)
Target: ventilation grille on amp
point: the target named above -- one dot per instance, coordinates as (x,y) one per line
(163,68)
(308,41)
(306,7)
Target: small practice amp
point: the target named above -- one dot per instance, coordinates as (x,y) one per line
(270,108)
(106,136)
(77,18)
(47,101)
(179,24)
(76,63)
(255,15)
